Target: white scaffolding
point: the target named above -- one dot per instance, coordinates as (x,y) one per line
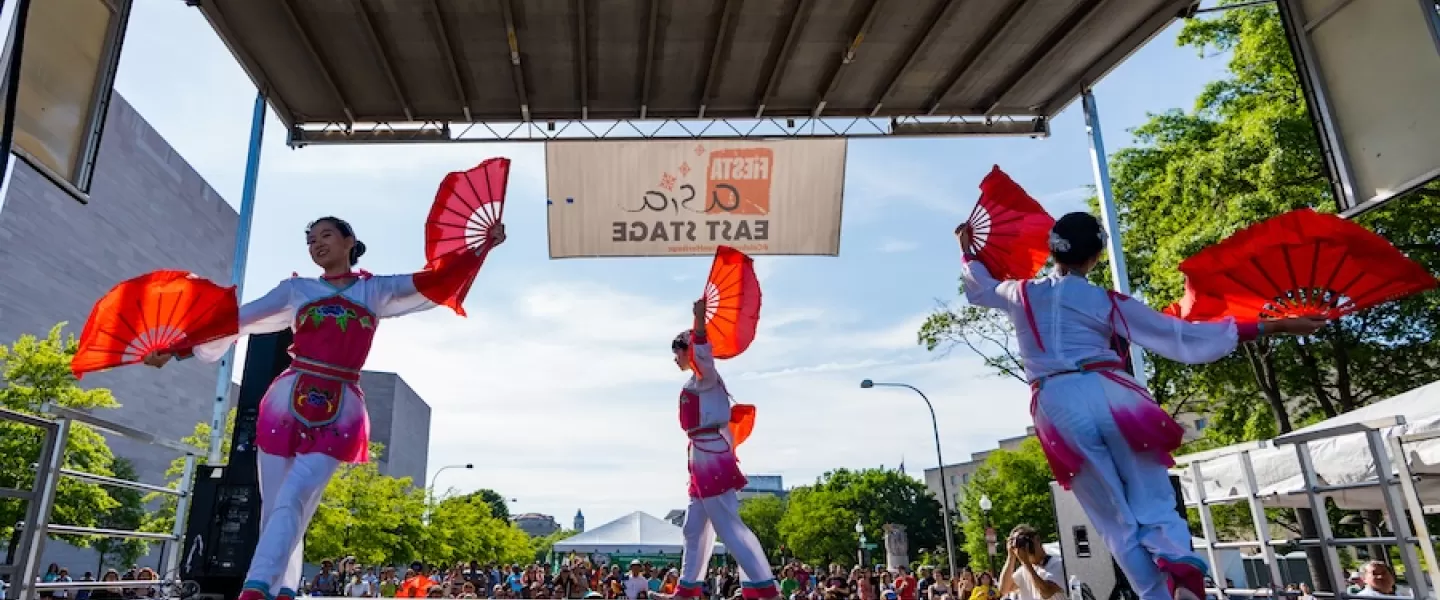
(1390,450)
(24,566)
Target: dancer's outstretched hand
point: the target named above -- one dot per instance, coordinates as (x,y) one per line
(497,234)
(966,235)
(1300,325)
(700,309)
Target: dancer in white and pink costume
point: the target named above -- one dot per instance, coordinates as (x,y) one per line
(312,419)
(1105,438)
(715,474)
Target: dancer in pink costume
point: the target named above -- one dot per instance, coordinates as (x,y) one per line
(715,474)
(312,419)
(1105,438)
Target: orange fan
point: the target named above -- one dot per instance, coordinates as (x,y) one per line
(466,206)
(1011,230)
(742,423)
(155,312)
(1301,263)
(732,300)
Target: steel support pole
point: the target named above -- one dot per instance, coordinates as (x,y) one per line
(237,274)
(1119,276)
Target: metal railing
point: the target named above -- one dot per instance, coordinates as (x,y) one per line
(1402,505)
(24,569)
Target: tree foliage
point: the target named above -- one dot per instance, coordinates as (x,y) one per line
(462,528)
(36,371)
(763,515)
(499,508)
(376,519)
(542,546)
(819,521)
(1018,484)
(128,515)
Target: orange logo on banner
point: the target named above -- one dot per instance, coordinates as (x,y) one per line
(738,181)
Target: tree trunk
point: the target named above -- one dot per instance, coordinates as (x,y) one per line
(1315,557)
(1343,390)
(1269,383)
(1317,380)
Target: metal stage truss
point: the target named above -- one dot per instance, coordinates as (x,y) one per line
(667,129)
(338,71)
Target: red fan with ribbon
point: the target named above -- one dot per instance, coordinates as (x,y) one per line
(1298,264)
(732,303)
(742,423)
(155,312)
(1011,230)
(467,205)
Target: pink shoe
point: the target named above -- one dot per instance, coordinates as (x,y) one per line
(1186,581)
(251,594)
(285,594)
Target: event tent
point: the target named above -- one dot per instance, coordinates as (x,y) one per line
(637,533)
(1339,460)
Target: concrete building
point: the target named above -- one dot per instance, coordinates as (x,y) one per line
(579,521)
(148,210)
(399,419)
(958,475)
(536,524)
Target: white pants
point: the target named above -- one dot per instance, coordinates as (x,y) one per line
(1127,495)
(290,491)
(721,514)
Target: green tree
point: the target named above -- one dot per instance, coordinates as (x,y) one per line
(819,522)
(462,529)
(36,371)
(818,528)
(128,515)
(1018,484)
(366,515)
(763,515)
(499,508)
(162,518)
(544,545)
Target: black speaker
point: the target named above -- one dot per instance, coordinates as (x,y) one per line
(224,522)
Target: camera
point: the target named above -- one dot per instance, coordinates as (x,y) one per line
(1022,541)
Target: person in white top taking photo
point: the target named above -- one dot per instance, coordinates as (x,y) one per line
(1029,572)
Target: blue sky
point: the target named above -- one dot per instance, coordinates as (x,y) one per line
(560,387)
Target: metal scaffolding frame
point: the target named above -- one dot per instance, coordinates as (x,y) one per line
(1397,488)
(24,570)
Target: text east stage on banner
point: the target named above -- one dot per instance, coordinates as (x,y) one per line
(684,198)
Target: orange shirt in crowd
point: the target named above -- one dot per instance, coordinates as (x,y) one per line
(415,587)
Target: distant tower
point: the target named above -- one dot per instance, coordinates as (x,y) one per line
(579,522)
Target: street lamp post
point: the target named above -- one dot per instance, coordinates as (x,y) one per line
(430,490)
(985,506)
(944,489)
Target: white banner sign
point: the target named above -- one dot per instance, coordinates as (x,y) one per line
(684,198)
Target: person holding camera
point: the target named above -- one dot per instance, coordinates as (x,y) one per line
(1029,572)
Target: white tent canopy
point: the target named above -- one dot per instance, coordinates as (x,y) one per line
(635,533)
(1338,460)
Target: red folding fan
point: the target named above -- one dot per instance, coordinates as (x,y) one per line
(732,303)
(1011,230)
(742,423)
(1301,263)
(466,206)
(155,312)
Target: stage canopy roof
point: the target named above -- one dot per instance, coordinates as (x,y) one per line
(635,533)
(338,63)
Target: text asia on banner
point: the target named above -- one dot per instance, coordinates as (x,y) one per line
(684,198)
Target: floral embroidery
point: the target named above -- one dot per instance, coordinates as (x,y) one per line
(343,315)
(317,398)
